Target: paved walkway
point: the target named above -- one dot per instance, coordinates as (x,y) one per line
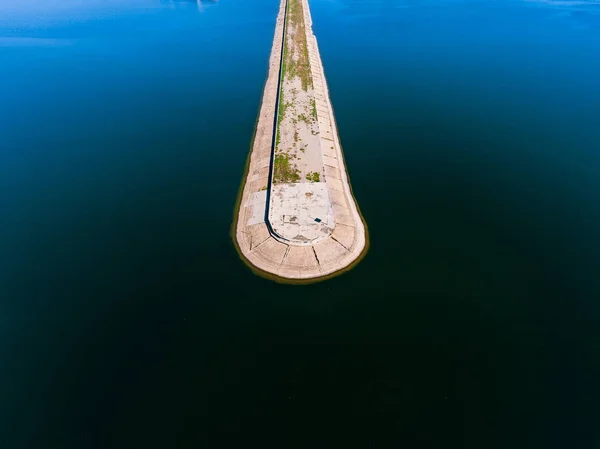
(257,244)
(301,213)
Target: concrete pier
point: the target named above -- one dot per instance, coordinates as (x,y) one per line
(305,227)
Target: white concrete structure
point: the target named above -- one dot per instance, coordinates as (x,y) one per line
(301,213)
(293,244)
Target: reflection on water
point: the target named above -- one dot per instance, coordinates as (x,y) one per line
(16,15)
(201,4)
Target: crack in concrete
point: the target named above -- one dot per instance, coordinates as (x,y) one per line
(286,254)
(252,248)
(336,240)
(316,257)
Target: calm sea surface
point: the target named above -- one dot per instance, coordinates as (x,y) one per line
(472,137)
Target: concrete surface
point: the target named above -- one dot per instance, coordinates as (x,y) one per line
(301,213)
(275,253)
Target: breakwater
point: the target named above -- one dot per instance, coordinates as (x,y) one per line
(297,218)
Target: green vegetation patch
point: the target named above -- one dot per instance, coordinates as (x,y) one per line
(313,177)
(296,62)
(284,171)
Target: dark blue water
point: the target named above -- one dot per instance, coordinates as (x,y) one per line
(471,134)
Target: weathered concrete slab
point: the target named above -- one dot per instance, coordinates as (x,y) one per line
(302,257)
(264,172)
(329,156)
(265,162)
(289,272)
(244,215)
(331,161)
(258,201)
(244,239)
(327,134)
(343,216)
(260,185)
(338,199)
(344,235)
(272,250)
(259,234)
(329,251)
(331,173)
(300,213)
(335,184)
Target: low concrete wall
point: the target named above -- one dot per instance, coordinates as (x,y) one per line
(255,241)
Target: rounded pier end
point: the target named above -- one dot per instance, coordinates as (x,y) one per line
(297,220)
